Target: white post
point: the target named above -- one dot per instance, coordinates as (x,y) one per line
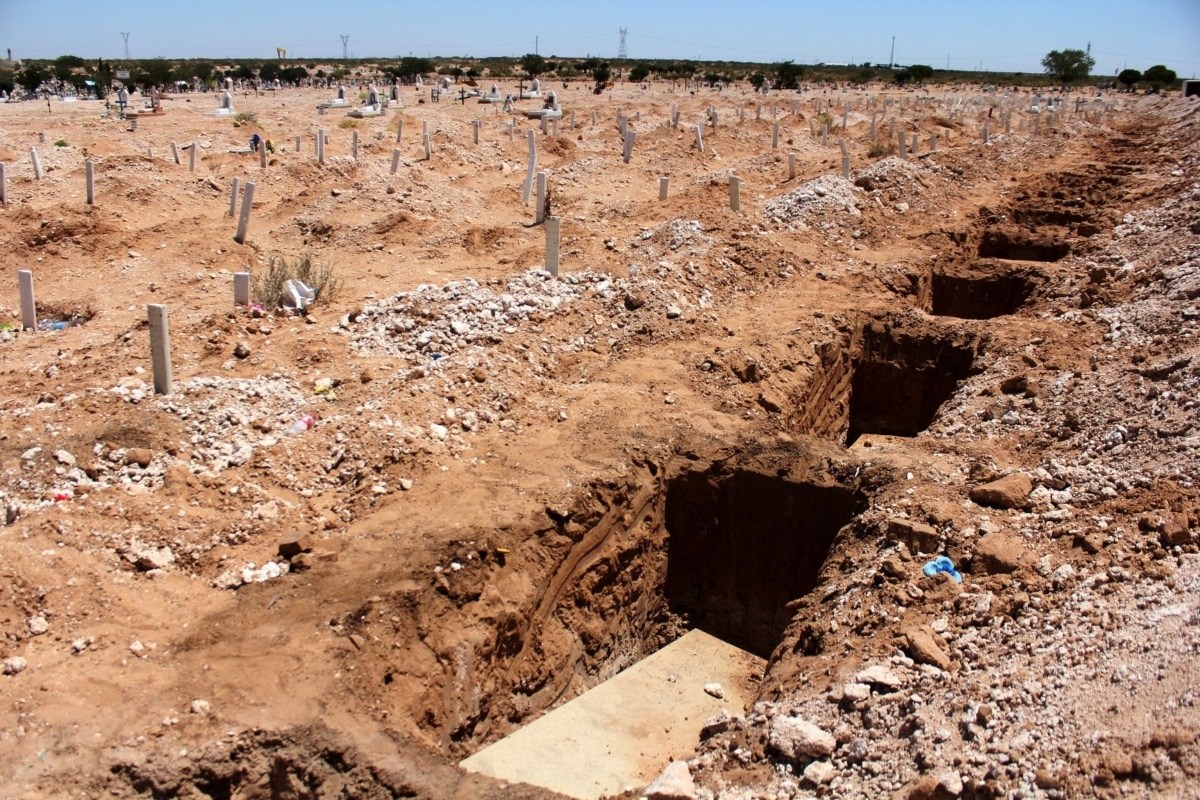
(985,131)
(663,183)
(824,136)
(192,156)
(572,125)
(735,192)
(320,145)
(90,175)
(914,143)
(395,160)
(28,307)
(874,114)
(775,135)
(244,217)
(846,167)
(241,288)
(175,152)
(553,229)
(399,129)
(700,136)
(160,347)
(237,182)
(353,144)
(593,119)
(845,118)
(512,131)
(903,149)
(428,147)
(37,163)
(3,185)
(791,166)
(262,155)
(475,126)
(298,138)
(544,129)
(630,136)
(539,213)
(933,142)
(531,170)
(41,138)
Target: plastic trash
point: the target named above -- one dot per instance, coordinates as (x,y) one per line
(297,295)
(301,425)
(942,564)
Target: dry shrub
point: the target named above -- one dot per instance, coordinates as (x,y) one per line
(267,286)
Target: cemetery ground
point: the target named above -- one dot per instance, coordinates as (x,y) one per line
(760,423)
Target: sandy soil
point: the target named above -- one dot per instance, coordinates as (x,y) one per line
(518,485)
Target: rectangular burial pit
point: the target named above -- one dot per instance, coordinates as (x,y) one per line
(983,290)
(900,379)
(743,545)
(739,546)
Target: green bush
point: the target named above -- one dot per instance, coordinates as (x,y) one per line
(267,286)
(881,149)
(244,117)
(348,122)
(61,143)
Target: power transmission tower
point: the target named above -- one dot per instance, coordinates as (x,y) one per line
(345,38)
(623,53)
(125,36)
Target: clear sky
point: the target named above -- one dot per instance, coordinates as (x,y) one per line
(1000,35)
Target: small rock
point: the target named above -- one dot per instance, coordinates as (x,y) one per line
(241,350)
(770,401)
(634,301)
(924,647)
(1011,491)
(718,723)
(38,625)
(879,675)
(714,690)
(919,537)
(140,456)
(675,783)
(64,458)
(79,645)
(15,665)
(137,648)
(856,692)
(439,432)
(201,707)
(798,739)
(406,483)
(1000,553)
(148,558)
(674,312)
(295,545)
(819,772)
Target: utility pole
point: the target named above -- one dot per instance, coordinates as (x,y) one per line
(535,45)
(125,36)
(345,38)
(892,57)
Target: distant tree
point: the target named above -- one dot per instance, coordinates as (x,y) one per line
(1158,77)
(64,67)
(243,73)
(7,80)
(457,72)
(293,74)
(757,80)
(473,72)
(601,73)
(1130,77)
(269,71)
(411,67)
(920,72)
(154,72)
(533,64)
(1068,66)
(902,76)
(788,75)
(639,73)
(32,77)
(864,75)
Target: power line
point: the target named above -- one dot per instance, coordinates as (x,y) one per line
(623,53)
(345,38)
(125,36)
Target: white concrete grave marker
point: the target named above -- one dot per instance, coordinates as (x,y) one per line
(41,138)
(663,184)
(262,154)
(914,143)
(824,136)
(539,213)
(791,166)
(475,127)
(545,129)
(233,195)
(428,146)
(244,217)
(298,139)
(986,132)
(775,135)
(735,193)
(175,153)
(241,288)
(399,129)
(903,149)
(89,174)
(700,136)
(28,307)
(933,142)
(192,156)
(395,160)
(37,163)
(553,236)
(571,126)
(353,145)
(531,170)
(160,348)
(630,136)
(320,145)
(3,185)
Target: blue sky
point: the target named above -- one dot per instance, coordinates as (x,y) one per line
(1000,35)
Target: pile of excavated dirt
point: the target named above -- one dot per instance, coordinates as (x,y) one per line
(357,544)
